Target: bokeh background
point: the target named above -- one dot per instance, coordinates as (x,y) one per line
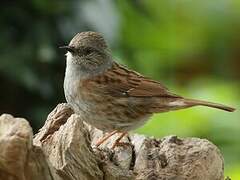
(191,46)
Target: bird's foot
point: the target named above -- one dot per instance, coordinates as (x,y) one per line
(121,144)
(103,139)
(118,143)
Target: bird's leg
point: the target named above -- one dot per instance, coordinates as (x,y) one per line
(118,143)
(104,138)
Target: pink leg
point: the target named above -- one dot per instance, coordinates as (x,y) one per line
(103,139)
(118,143)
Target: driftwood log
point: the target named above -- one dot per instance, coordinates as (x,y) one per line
(63,149)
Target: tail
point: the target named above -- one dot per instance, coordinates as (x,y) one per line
(193,102)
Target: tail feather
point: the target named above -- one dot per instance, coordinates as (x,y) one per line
(193,102)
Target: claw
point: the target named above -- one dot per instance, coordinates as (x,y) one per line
(123,144)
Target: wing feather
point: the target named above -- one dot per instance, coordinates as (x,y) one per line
(119,81)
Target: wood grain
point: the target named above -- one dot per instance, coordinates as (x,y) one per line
(64,149)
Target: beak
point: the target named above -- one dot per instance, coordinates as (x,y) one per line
(68,48)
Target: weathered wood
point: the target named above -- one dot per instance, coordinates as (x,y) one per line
(64,149)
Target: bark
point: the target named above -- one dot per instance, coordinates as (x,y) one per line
(63,149)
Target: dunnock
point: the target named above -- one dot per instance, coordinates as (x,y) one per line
(111,97)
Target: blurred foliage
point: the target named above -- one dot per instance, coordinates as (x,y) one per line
(191,46)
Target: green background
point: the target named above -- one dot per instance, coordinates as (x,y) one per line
(193,47)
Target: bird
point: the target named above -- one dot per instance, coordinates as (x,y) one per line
(111,97)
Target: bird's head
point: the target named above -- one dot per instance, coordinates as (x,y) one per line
(88,50)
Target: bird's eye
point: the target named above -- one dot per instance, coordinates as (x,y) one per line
(88,51)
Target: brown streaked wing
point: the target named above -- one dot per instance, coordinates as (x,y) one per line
(119,81)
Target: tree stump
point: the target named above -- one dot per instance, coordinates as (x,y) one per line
(63,149)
